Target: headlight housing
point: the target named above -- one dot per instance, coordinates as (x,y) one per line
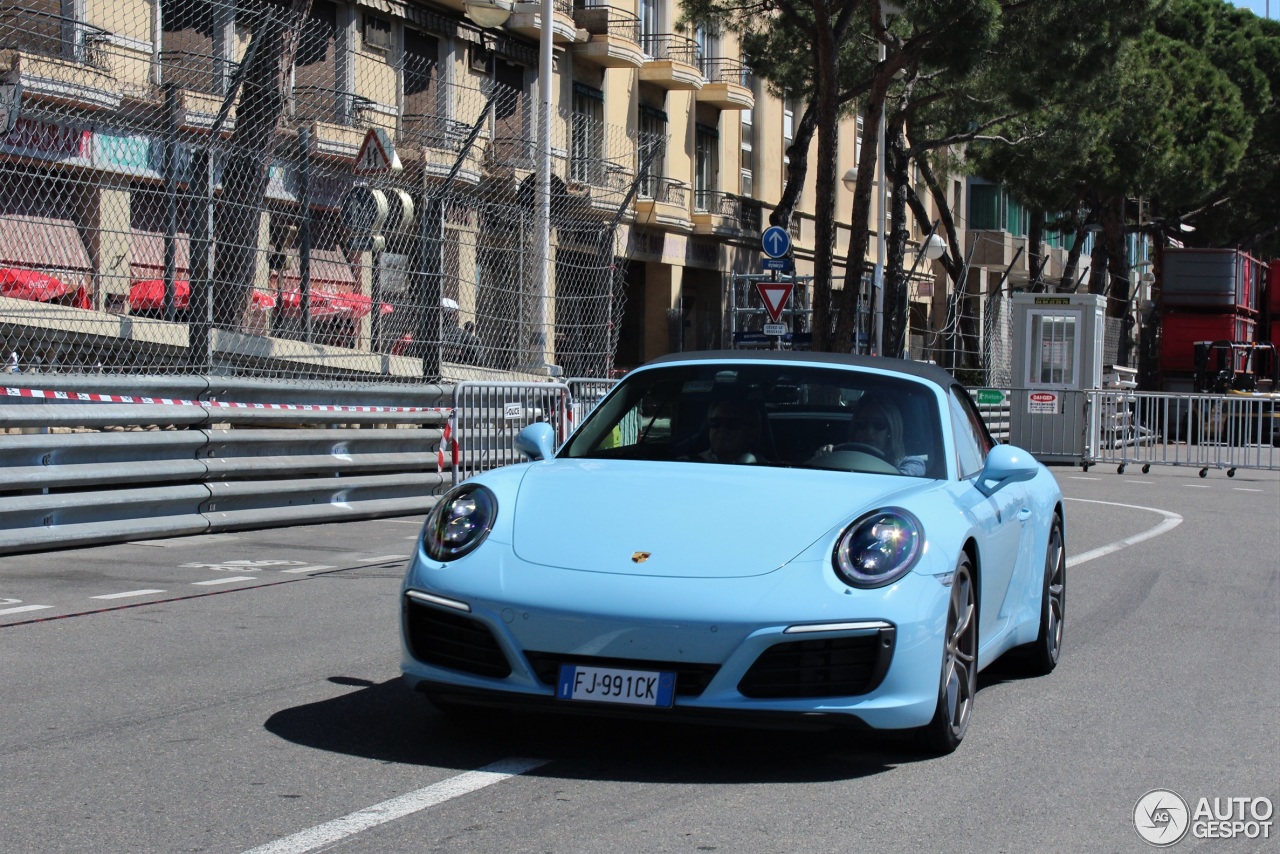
(878,548)
(459,522)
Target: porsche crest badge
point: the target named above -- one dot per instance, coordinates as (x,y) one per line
(639,557)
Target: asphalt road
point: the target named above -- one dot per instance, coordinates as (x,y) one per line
(233,692)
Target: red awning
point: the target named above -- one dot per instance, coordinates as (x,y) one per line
(31,285)
(149,294)
(331,304)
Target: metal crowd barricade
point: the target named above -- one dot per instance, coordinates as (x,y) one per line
(584,394)
(1203,431)
(489,415)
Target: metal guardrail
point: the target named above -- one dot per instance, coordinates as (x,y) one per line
(73,476)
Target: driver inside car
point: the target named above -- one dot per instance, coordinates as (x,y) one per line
(876,428)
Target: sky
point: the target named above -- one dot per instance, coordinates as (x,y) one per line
(1259,7)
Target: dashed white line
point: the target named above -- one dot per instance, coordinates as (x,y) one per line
(349,825)
(1127,480)
(126,594)
(382,559)
(23,608)
(1198,485)
(214,581)
(1078,477)
(315,568)
(1244,489)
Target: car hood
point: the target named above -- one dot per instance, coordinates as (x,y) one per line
(685,519)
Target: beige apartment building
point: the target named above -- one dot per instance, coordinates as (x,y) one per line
(660,141)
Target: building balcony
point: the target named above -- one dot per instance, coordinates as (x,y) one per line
(339,120)
(197,72)
(664,203)
(526,19)
(750,216)
(671,62)
(57,59)
(436,143)
(716,213)
(597,187)
(613,37)
(728,85)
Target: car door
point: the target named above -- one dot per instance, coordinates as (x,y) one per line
(1001,517)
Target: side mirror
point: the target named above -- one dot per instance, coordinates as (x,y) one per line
(1006,464)
(537,441)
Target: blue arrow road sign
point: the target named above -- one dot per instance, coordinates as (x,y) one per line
(775,241)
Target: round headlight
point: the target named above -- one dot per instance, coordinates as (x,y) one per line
(459,522)
(878,548)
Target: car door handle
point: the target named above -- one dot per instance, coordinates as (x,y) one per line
(1024,514)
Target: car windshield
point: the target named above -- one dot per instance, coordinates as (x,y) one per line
(798,416)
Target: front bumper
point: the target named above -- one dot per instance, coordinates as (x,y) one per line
(793,648)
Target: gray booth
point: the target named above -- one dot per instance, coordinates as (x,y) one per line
(1057,355)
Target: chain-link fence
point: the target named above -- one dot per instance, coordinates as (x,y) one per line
(192,186)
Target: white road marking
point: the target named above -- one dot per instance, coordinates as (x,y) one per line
(313,568)
(1171,521)
(1127,480)
(213,581)
(1244,489)
(23,608)
(127,594)
(1198,485)
(349,825)
(383,559)
(1078,477)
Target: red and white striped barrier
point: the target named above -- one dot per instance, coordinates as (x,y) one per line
(89,397)
(447,442)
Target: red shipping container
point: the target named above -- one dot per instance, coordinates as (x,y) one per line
(1273,288)
(1179,331)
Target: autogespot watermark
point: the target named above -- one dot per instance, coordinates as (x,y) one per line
(1163,818)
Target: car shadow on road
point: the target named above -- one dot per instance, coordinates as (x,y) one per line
(387,722)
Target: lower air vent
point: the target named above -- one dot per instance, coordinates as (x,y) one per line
(446,639)
(830,667)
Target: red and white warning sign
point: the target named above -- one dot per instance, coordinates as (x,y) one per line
(775,296)
(377,154)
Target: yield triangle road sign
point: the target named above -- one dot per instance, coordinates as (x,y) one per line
(775,296)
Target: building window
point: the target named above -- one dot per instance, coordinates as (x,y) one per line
(422,115)
(653,145)
(746,157)
(316,94)
(706,174)
(377,33)
(587,143)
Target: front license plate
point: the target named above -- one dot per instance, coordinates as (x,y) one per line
(611,685)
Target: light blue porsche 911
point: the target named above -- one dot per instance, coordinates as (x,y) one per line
(774,538)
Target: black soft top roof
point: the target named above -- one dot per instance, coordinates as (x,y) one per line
(924,371)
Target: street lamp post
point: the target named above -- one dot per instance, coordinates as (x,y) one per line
(494,13)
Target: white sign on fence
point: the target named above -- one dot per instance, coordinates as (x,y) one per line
(512,411)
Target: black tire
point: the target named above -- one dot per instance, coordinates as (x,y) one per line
(958,683)
(1042,655)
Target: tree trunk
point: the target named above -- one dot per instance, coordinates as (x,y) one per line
(797,166)
(845,301)
(825,180)
(263,95)
(897,288)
